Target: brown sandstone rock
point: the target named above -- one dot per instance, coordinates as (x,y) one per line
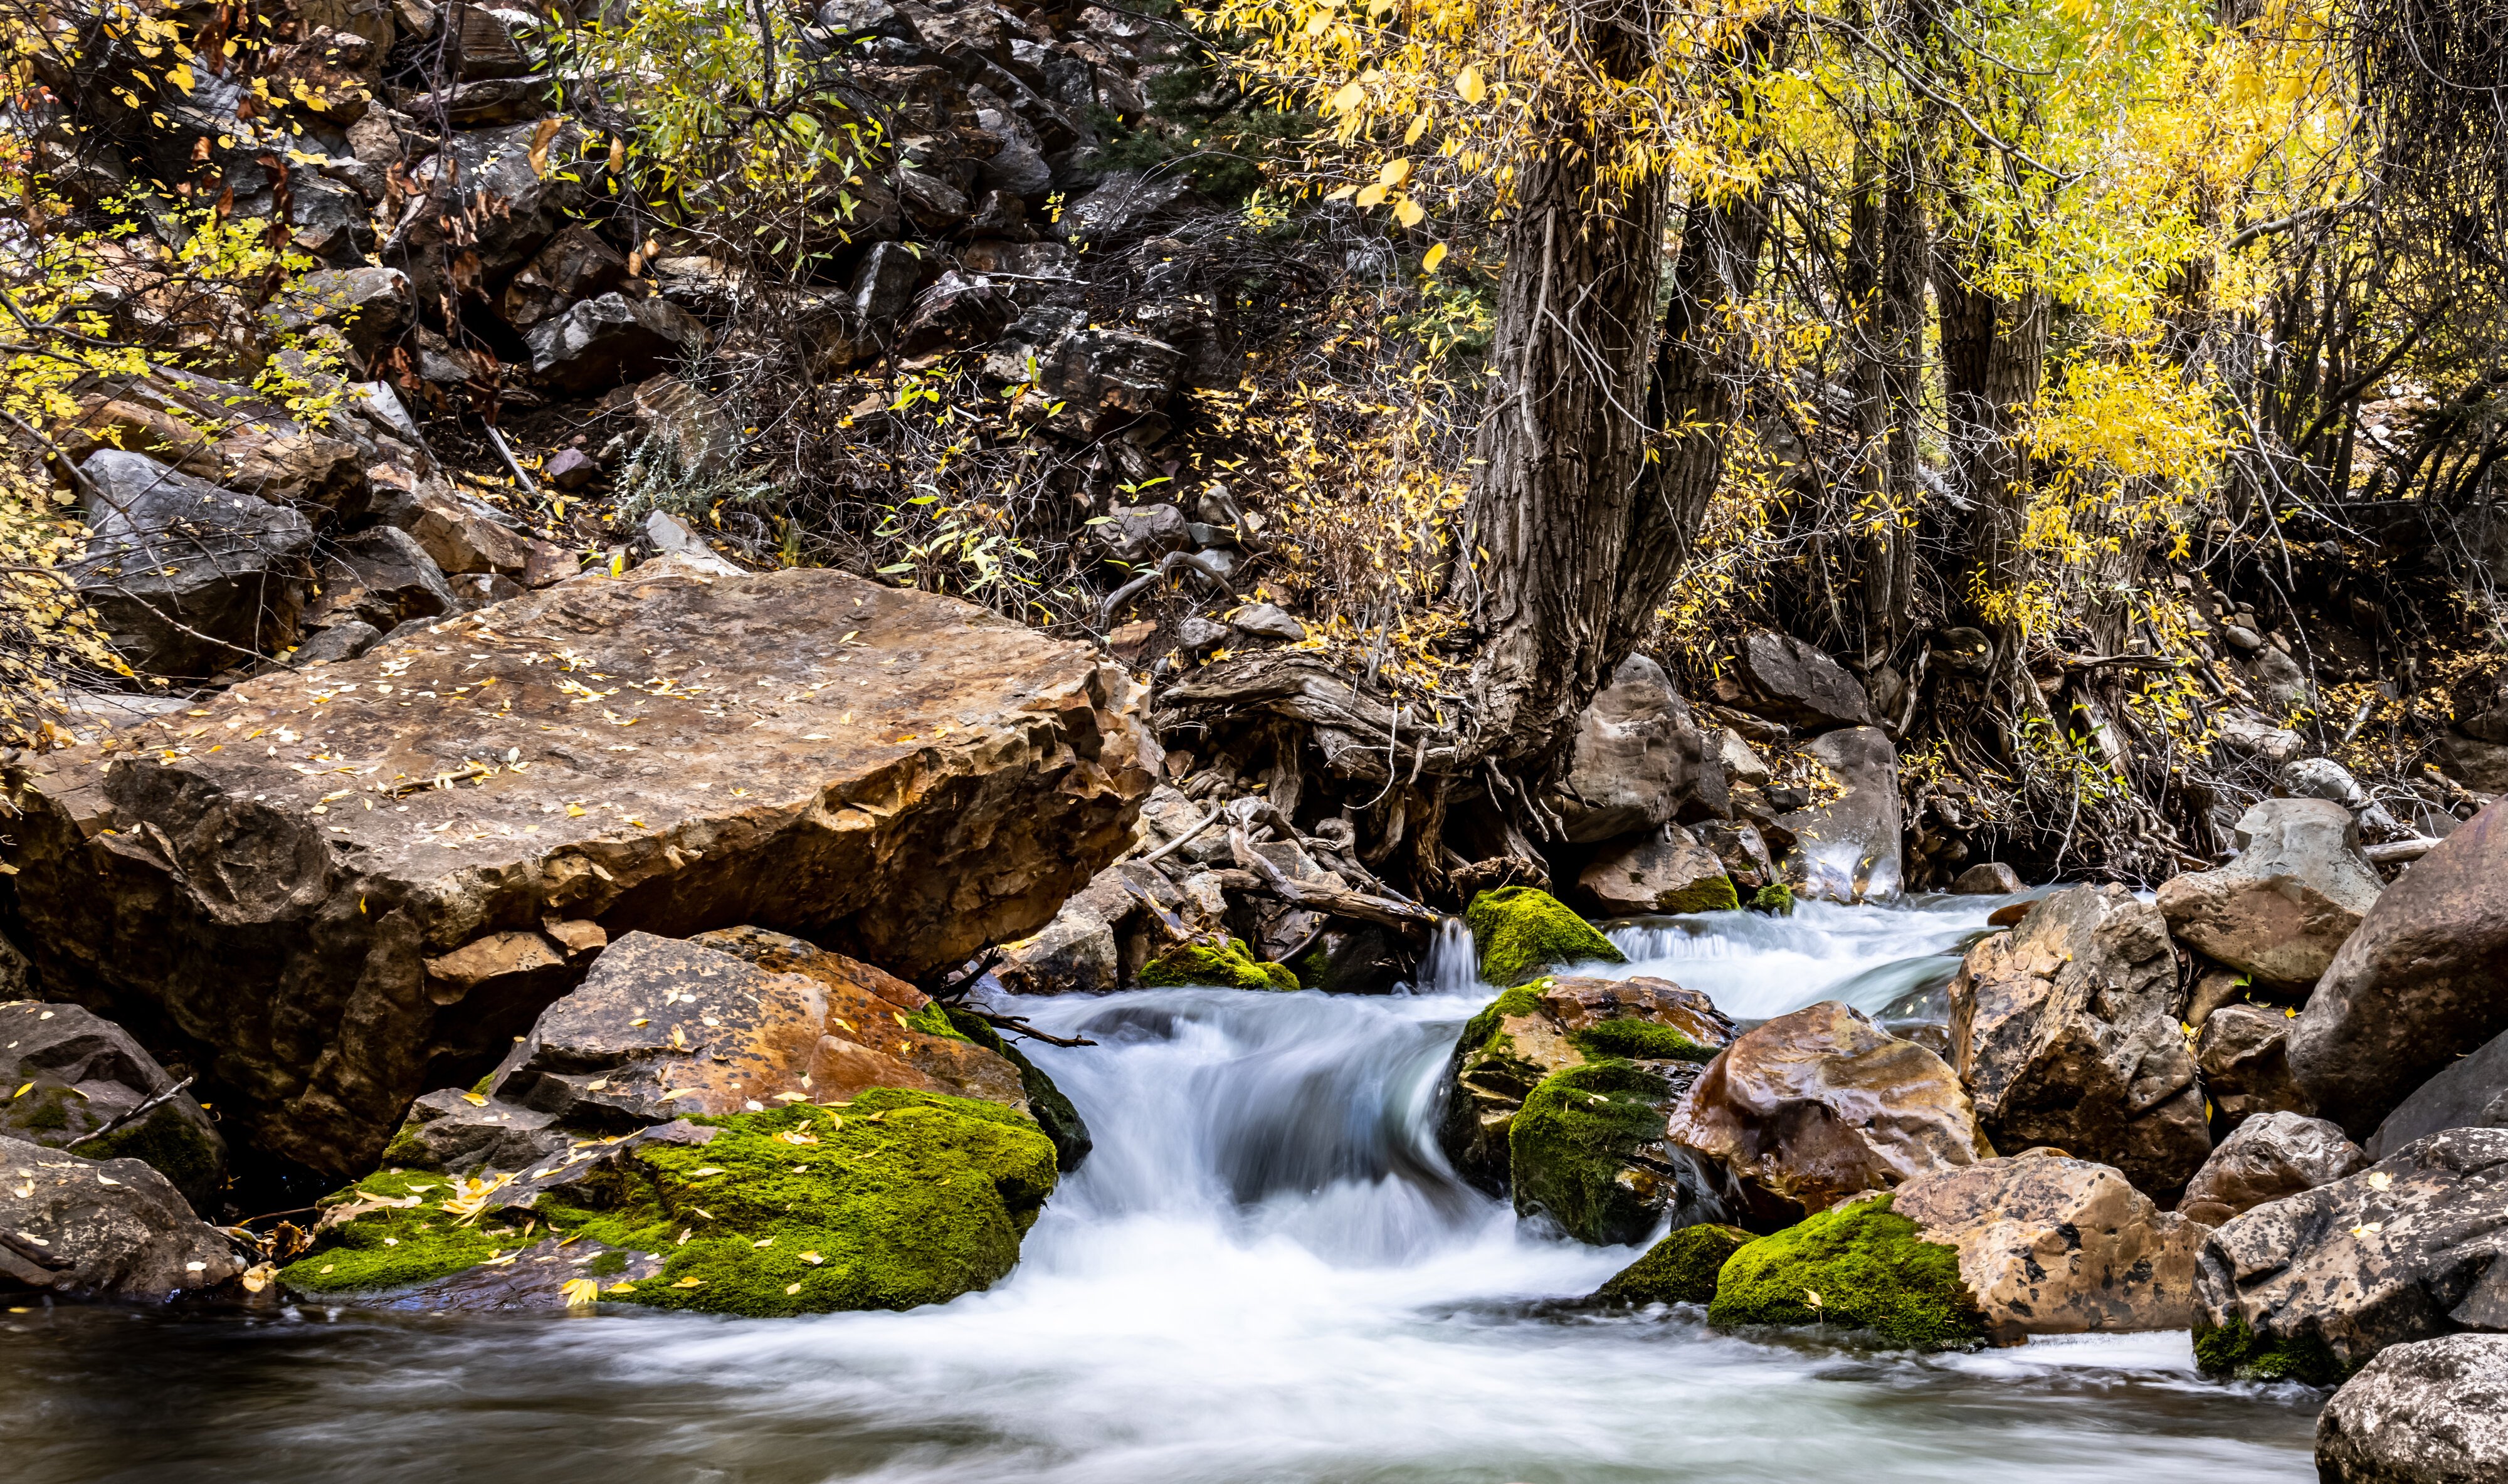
(2265,1159)
(2059,1246)
(1821,1105)
(2280,911)
(900,776)
(2423,982)
(2065,1032)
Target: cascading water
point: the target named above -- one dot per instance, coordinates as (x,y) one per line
(1265,1272)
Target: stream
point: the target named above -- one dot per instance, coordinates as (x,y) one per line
(1265,1272)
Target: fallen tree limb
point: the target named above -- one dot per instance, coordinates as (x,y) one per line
(133,1115)
(1331,899)
(1017,1024)
(2394,851)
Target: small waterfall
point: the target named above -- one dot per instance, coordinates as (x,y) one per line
(1452,965)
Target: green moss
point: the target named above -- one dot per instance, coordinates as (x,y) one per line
(1228,965)
(2238,1352)
(1859,1266)
(893,1201)
(1641,1040)
(177,1147)
(1715,894)
(1521,931)
(484,1085)
(398,1245)
(45,1110)
(1054,1113)
(608,1264)
(1680,1269)
(932,1020)
(1776,899)
(1314,970)
(1571,1142)
(1480,1032)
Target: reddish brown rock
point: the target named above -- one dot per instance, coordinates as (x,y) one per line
(1813,1107)
(259,887)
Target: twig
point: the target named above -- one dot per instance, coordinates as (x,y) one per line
(512,462)
(404,788)
(1178,843)
(1019,1025)
(146,1107)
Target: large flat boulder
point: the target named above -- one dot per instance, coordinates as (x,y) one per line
(1820,1106)
(2052,1246)
(2431,1413)
(2065,1030)
(332,891)
(2315,1284)
(2281,910)
(2422,981)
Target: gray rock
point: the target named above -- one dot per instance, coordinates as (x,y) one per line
(2471,1093)
(676,537)
(1988,878)
(385,578)
(1168,813)
(1195,634)
(885,281)
(2246,736)
(2265,1158)
(1640,760)
(81,1074)
(2431,1413)
(573,266)
(2065,1032)
(2281,682)
(1128,205)
(2280,911)
(1074,954)
(459,534)
(1137,534)
(1666,871)
(611,340)
(2322,1281)
(102,1228)
(369,306)
(188,578)
(481,590)
(1267,621)
(2475,763)
(1742,761)
(2424,981)
(339,641)
(2323,778)
(2481,706)
(1744,851)
(1847,849)
(571,469)
(532,206)
(1105,378)
(1796,683)
(446,1130)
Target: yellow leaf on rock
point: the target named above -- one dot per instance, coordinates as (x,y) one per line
(475,1099)
(21,1092)
(579,1291)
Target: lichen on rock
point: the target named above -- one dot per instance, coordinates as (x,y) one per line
(1680,1269)
(1859,1266)
(1521,932)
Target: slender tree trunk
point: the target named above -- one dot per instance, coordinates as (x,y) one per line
(1993,351)
(1562,450)
(1906,269)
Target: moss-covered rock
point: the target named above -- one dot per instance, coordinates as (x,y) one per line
(1776,900)
(1227,964)
(1641,1040)
(1680,1269)
(66,1074)
(895,1200)
(176,1141)
(1522,932)
(2238,1352)
(1053,1112)
(1859,1266)
(1587,1151)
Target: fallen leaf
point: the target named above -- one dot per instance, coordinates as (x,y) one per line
(689,1282)
(812,1258)
(579,1291)
(475,1099)
(2379,1179)
(791,1288)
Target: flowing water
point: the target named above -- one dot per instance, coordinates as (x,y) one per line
(1266,1272)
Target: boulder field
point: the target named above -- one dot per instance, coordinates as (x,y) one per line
(328,891)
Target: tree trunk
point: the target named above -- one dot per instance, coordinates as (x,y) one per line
(1899,331)
(1562,450)
(1993,352)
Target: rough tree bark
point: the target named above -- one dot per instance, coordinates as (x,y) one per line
(1894,260)
(1993,349)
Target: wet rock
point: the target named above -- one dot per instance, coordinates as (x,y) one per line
(1666,871)
(1846,848)
(1680,1269)
(2243,1053)
(1521,932)
(1857,1266)
(1534,1030)
(611,340)
(2267,1156)
(104,1228)
(1215,961)
(1796,683)
(2311,1287)
(69,1075)
(2472,1092)
(2280,911)
(188,578)
(2052,1246)
(981,779)
(2431,1413)
(2424,981)
(384,578)
(1988,878)
(2065,1032)
(1743,850)
(1640,760)
(1587,1152)
(1821,1105)
(573,266)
